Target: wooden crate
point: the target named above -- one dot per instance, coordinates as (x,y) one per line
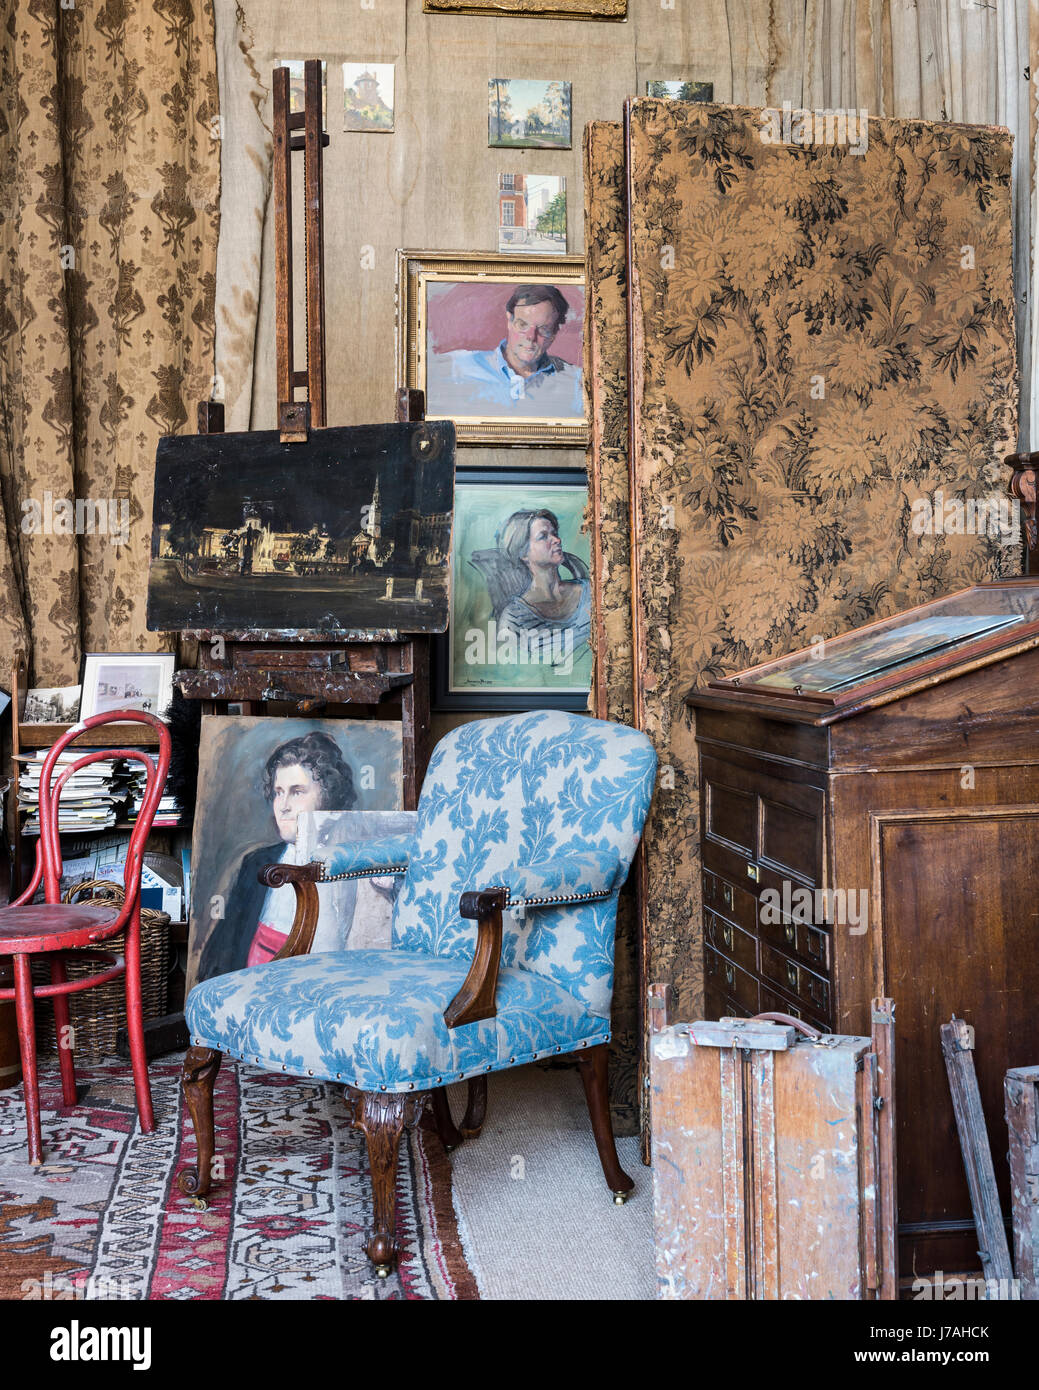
(768,1151)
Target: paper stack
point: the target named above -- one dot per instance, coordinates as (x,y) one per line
(91,799)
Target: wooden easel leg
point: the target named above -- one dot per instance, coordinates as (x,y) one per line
(416,721)
(596,1091)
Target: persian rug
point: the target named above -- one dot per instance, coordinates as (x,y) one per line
(822,351)
(103,1218)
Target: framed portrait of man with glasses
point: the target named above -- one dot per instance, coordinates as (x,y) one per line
(496,343)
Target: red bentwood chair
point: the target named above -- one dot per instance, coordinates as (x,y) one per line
(28,929)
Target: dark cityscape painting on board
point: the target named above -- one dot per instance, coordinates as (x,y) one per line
(349,531)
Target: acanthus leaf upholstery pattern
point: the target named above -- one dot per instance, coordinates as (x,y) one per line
(374,1020)
(572,876)
(522,790)
(564,796)
(110,166)
(820,339)
(369,858)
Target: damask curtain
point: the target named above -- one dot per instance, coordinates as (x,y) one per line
(110,179)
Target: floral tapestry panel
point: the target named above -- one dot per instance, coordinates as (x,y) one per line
(823,359)
(110,146)
(606,386)
(609,521)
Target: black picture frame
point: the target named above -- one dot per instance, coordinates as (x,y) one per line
(540,483)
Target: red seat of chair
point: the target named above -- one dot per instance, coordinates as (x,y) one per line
(52,926)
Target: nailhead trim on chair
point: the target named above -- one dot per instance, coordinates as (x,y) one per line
(362,873)
(549,901)
(555,899)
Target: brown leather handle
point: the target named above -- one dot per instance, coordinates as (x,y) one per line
(805,1028)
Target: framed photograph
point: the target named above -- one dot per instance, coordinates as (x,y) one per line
(528,115)
(256,778)
(352,527)
(531,215)
(521,609)
(541,9)
(368,96)
(496,342)
(57,704)
(127,680)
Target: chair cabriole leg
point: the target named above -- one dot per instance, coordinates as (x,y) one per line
(593,1064)
(381,1117)
(200,1068)
(25,1017)
(63,1029)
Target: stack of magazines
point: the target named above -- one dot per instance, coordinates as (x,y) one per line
(93,798)
(166,813)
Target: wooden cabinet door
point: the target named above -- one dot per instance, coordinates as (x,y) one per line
(960,935)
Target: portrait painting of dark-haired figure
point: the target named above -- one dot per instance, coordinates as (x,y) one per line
(257,780)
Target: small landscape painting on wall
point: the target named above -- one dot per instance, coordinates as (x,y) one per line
(532,214)
(256,778)
(681,90)
(526,114)
(368,96)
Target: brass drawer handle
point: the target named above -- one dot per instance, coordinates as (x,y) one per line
(730,976)
(790,932)
(727,894)
(791,977)
(752,872)
(727,935)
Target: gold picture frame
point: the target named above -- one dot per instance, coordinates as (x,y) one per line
(616,10)
(419,272)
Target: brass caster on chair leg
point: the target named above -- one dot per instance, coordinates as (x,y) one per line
(383,1271)
(619,1198)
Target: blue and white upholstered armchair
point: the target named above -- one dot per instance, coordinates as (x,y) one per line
(502,946)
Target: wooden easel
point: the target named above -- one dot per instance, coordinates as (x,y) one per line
(312,669)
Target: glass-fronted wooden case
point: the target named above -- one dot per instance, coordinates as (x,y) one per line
(937,637)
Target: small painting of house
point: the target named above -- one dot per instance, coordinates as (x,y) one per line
(368,96)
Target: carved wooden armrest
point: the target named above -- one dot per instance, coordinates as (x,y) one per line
(304,879)
(475,999)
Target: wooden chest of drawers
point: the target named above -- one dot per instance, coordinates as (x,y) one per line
(886,847)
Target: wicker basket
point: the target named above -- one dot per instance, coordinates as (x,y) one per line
(97,1014)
